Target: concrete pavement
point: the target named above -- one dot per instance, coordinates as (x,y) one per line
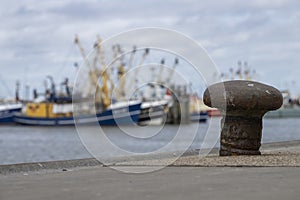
(170,183)
(190,177)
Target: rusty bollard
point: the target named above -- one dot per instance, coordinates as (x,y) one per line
(243,105)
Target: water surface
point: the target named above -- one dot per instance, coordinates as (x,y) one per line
(21,144)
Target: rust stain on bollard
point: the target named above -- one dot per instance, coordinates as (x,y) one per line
(243,105)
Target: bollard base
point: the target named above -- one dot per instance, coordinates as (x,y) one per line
(240,135)
(236,152)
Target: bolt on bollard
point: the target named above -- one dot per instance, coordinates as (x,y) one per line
(243,105)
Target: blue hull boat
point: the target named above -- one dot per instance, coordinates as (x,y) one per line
(122,115)
(199,117)
(7,112)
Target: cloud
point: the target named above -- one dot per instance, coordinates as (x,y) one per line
(37,35)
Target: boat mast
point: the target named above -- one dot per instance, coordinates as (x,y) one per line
(17,97)
(53,89)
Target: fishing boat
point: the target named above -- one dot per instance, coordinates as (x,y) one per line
(199,117)
(57,110)
(91,102)
(198,110)
(292,112)
(54,114)
(7,111)
(290,107)
(8,107)
(157,98)
(153,112)
(214,112)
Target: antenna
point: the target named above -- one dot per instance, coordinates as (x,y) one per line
(17,90)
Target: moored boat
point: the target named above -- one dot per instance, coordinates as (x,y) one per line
(214,112)
(7,111)
(198,111)
(289,109)
(292,112)
(153,112)
(201,116)
(43,114)
(92,100)
(61,108)
(8,107)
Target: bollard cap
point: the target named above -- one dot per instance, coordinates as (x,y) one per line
(243,95)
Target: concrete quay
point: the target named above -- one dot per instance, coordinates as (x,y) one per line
(274,175)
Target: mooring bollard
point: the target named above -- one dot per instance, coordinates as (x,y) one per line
(243,105)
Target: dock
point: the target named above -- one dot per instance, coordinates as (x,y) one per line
(274,175)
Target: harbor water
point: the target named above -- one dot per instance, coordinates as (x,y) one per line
(23,144)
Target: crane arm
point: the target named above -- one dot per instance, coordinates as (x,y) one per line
(78,43)
(161,69)
(92,76)
(176,62)
(132,81)
(131,57)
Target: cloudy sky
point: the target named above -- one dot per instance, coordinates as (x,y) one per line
(36,37)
